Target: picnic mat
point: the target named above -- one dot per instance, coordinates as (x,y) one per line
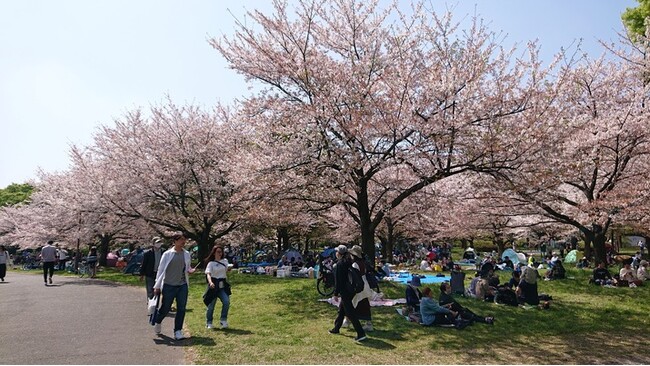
(376,302)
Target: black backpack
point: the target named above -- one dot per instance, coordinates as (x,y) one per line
(355,280)
(506,296)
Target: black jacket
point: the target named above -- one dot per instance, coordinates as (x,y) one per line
(341,277)
(148,259)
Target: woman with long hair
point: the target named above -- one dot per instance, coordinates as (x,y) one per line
(218,287)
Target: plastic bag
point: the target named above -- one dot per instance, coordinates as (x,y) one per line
(152,304)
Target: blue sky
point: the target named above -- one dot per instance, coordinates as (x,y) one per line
(68,66)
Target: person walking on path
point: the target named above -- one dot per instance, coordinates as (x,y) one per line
(4,259)
(218,287)
(343,289)
(172,279)
(361,300)
(150,263)
(48,256)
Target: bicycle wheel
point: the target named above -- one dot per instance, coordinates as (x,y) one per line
(324,288)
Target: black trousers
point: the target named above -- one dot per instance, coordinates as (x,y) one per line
(48,266)
(346,309)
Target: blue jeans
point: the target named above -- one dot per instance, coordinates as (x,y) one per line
(169,293)
(225,305)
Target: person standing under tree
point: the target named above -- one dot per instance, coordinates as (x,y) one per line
(149,267)
(172,280)
(4,259)
(342,289)
(48,256)
(215,273)
(63,257)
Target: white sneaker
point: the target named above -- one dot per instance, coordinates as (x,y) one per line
(157,328)
(178,335)
(346,323)
(368,328)
(224,324)
(209,326)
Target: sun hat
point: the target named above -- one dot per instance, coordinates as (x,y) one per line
(356,251)
(342,249)
(415,281)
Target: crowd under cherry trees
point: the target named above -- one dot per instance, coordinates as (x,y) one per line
(365,123)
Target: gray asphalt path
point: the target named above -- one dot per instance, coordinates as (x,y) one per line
(80,321)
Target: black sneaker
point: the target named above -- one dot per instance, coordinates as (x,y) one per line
(333,331)
(361,339)
(461,324)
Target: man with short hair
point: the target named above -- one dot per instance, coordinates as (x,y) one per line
(48,256)
(172,280)
(150,262)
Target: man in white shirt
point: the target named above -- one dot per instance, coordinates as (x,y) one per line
(63,257)
(48,256)
(172,280)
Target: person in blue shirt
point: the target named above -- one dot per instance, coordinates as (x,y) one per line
(431,313)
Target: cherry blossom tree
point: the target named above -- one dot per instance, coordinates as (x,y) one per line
(588,171)
(177,169)
(365,106)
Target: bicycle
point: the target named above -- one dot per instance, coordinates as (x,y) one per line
(325,283)
(31,264)
(85,268)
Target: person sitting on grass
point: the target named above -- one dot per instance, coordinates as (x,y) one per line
(601,276)
(413,298)
(446,298)
(527,288)
(642,273)
(471,290)
(583,263)
(514,281)
(413,294)
(557,272)
(425,265)
(484,291)
(431,313)
(627,276)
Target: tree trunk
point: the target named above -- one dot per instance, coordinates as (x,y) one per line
(365,222)
(588,238)
(282,234)
(597,236)
(600,252)
(500,244)
(104,242)
(205,243)
(387,248)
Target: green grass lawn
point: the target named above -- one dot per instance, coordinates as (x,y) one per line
(280,321)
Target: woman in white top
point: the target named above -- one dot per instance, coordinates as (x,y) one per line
(218,287)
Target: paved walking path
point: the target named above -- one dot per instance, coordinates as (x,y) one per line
(79,321)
